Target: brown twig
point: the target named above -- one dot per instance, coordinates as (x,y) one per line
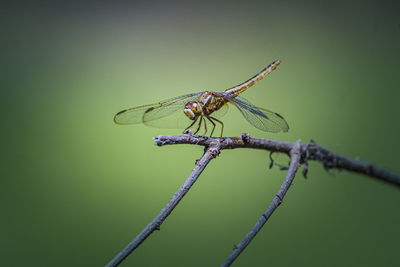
(276,201)
(299,154)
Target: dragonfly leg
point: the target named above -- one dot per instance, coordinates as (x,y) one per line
(198,127)
(187,128)
(205,126)
(222,124)
(213,123)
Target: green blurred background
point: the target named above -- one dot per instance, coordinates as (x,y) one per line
(76,188)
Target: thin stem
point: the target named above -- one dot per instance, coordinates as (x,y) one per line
(211,152)
(277,200)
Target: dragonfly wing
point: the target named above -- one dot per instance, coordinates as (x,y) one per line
(263,119)
(174,120)
(133,115)
(154,111)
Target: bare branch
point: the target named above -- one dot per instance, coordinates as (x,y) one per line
(276,201)
(211,152)
(299,153)
(330,160)
(309,151)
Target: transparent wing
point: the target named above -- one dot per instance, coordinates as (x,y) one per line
(175,120)
(154,111)
(261,118)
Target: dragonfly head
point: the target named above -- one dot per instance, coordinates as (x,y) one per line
(192,110)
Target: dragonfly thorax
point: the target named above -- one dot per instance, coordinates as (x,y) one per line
(192,109)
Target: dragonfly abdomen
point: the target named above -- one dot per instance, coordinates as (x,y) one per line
(245,85)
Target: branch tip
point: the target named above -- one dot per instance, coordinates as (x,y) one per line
(271,164)
(305,169)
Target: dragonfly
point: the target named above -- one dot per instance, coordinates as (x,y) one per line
(195,109)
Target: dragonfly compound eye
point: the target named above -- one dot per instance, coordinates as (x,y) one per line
(192,109)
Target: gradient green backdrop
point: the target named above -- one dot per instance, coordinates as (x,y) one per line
(76,188)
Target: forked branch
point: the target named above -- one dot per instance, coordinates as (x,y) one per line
(299,153)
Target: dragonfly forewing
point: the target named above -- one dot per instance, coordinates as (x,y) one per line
(154,111)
